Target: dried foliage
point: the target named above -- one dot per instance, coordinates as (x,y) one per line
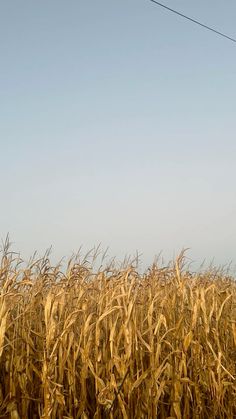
(116,344)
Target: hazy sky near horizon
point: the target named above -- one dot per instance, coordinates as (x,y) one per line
(118,126)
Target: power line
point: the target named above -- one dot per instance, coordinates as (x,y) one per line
(193,20)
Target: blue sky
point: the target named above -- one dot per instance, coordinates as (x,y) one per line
(118,126)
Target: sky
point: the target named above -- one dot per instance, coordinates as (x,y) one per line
(118,127)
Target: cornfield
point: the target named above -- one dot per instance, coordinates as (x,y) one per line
(115,343)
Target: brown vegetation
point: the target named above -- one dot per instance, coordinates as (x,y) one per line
(116,344)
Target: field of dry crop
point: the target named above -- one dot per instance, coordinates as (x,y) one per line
(116,344)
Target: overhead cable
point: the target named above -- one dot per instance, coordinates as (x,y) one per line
(193,20)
